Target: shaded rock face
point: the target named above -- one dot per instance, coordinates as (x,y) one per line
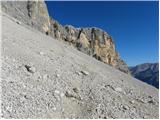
(91,41)
(33,13)
(147,72)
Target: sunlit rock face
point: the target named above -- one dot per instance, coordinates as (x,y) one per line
(92,41)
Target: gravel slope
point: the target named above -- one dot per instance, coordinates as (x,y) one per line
(45,78)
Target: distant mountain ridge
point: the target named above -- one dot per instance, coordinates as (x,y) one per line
(147,72)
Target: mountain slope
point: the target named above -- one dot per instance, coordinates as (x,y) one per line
(147,72)
(44,78)
(91,41)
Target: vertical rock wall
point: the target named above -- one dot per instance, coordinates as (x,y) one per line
(33,13)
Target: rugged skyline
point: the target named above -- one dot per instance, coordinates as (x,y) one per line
(133,25)
(92,41)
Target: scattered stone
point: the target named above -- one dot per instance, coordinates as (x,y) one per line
(18,22)
(122,80)
(45,77)
(141,100)
(130,91)
(30,69)
(85,72)
(57,75)
(78,73)
(54,108)
(41,53)
(145,117)
(26,97)
(110,86)
(13,60)
(149,96)
(62,94)
(105,117)
(68,94)
(58,98)
(132,102)
(6,57)
(125,107)
(72,95)
(118,89)
(75,90)
(151,102)
(52,50)
(56,92)
(11,82)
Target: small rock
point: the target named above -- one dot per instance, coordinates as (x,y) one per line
(25,96)
(52,50)
(118,89)
(45,77)
(105,117)
(141,100)
(145,117)
(78,73)
(85,72)
(56,92)
(125,107)
(30,69)
(149,96)
(62,94)
(132,102)
(54,108)
(130,91)
(75,90)
(13,60)
(57,75)
(6,57)
(58,98)
(18,22)
(151,102)
(41,53)
(11,82)
(68,94)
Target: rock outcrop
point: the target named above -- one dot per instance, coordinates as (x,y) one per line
(33,13)
(97,43)
(92,41)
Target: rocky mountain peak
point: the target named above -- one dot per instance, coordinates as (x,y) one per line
(147,72)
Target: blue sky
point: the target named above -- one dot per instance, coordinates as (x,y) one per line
(133,25)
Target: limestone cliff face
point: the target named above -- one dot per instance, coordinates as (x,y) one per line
(33,13)
(92,41)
